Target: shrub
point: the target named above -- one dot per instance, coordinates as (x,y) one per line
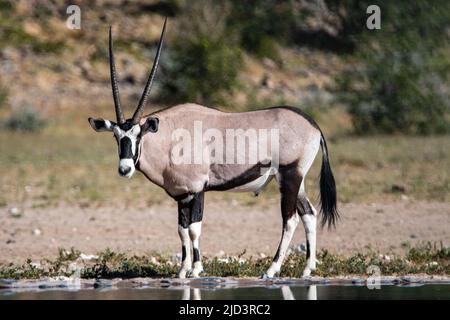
(204,57)
(3,95)
(262,23)
(26,119)
(399,82)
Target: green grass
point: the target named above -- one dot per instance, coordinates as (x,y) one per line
(431,259)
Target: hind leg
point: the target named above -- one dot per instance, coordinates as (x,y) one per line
(289,180)
(308,215)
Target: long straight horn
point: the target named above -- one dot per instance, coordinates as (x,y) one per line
(140,108)
(115,87)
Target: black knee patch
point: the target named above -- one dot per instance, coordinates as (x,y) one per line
(303,206)
(183,253)
(190,209)
(196,253)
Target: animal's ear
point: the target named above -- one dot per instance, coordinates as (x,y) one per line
(101,125)
(150,125)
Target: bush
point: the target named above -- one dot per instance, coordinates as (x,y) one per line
(262,23)
(204,57)
(25,120)
(3,95)
(399,82)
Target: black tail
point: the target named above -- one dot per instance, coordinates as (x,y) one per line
(327,189)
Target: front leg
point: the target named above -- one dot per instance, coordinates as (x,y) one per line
(195,230)
(183,232)
(190,214)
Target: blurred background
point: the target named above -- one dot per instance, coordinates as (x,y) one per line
(380,96)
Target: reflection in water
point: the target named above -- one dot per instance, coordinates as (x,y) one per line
(311,293)
(196,295)
(235,291)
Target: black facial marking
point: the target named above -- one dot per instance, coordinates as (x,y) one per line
(125,148)
(127,125)
(99,123)
(196,255)
(183,253)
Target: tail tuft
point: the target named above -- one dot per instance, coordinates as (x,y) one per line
(328,200)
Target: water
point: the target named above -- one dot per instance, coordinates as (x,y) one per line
(298,292)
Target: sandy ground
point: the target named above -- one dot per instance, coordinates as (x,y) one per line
(38,233)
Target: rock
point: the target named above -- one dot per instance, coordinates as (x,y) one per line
(154,260)
(396,188)
(221,253)
(269,63)
(267,82)
(88,256)
(299,248)
(104,283)
(408,279)
(262,255)
(15,212)
(32,28)
(37,232)
(358,281)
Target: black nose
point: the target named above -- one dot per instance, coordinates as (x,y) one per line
(124,170)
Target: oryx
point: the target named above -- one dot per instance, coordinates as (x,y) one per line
(146,144)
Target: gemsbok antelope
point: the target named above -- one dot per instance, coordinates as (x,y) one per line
(147,144)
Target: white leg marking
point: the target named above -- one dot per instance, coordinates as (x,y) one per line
(288,232)
(186,264)
(310,223)
(195,230)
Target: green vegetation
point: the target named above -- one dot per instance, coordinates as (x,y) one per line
(205,57)
(398,78)
(432,259)
(3,95)
(395,80)
(12,33)
(27,119)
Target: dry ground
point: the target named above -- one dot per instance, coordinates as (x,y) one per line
(229,227)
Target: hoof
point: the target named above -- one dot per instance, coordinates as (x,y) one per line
(184,273)
(307,273)
(266,276)
(195,273)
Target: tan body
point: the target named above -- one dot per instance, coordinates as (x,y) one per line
(299,141)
